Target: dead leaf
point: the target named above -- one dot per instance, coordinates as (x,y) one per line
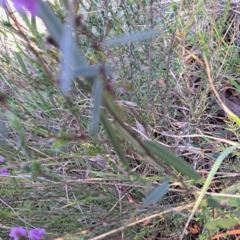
(161,82)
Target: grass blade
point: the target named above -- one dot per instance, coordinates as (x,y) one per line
(21,63)
(208,182)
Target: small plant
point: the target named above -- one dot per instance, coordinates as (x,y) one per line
(109,122)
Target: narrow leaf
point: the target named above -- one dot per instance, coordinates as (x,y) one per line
(220,201)
(33,21)
(123,131)
(133,37)
(221,223)
(51,21)
(171,159)
(55,28)
(114,141)
(67,63)
(208,182)
(157,193)
(97,96)
(21,63)
(90,71)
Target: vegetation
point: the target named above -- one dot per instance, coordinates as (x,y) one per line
(112,124)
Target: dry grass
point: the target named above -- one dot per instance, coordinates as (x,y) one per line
(73,185)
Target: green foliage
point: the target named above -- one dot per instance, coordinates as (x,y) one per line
(223,223)
(156,194)
(171,159)
(82,153)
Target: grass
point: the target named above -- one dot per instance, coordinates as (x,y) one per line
(75,185)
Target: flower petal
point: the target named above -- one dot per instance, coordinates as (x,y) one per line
(17,232)
(36,233)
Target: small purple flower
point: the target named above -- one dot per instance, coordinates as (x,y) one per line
(31,5)
(4,171)
(18,232)
(36,233)
(1,160)
(122,90)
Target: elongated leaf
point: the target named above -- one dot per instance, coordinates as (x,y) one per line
(157,193)
(97,96)
(21,63)
(208,182)
(219,201)
(33,21)
(114,141)
(125,133)
(51,21)
(90,71)
(67,62)
(232,189)
(171,159)
(2,32)
(56,29)
(133,37)
(17,126)
(3,125)
(221,223)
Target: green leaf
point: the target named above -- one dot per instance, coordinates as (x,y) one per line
(5,213)
(133,37)
(208,181)
(113,109)
(56,29)
(68,61)
(36,169)
(21,63)
(113,139)
(157,193)
(232,189)
(97,96)
(58,33)
(221,223)
(52,23)
(2,32)
(6,24)
(90,71)
(60,142)
(17,126)
(171,159)
(220,201)
(33,21)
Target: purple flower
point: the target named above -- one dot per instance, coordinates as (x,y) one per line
(18,232)
(122,90)
(4,171)
(31,5)
(36,233)
(20,5)
(1,160)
